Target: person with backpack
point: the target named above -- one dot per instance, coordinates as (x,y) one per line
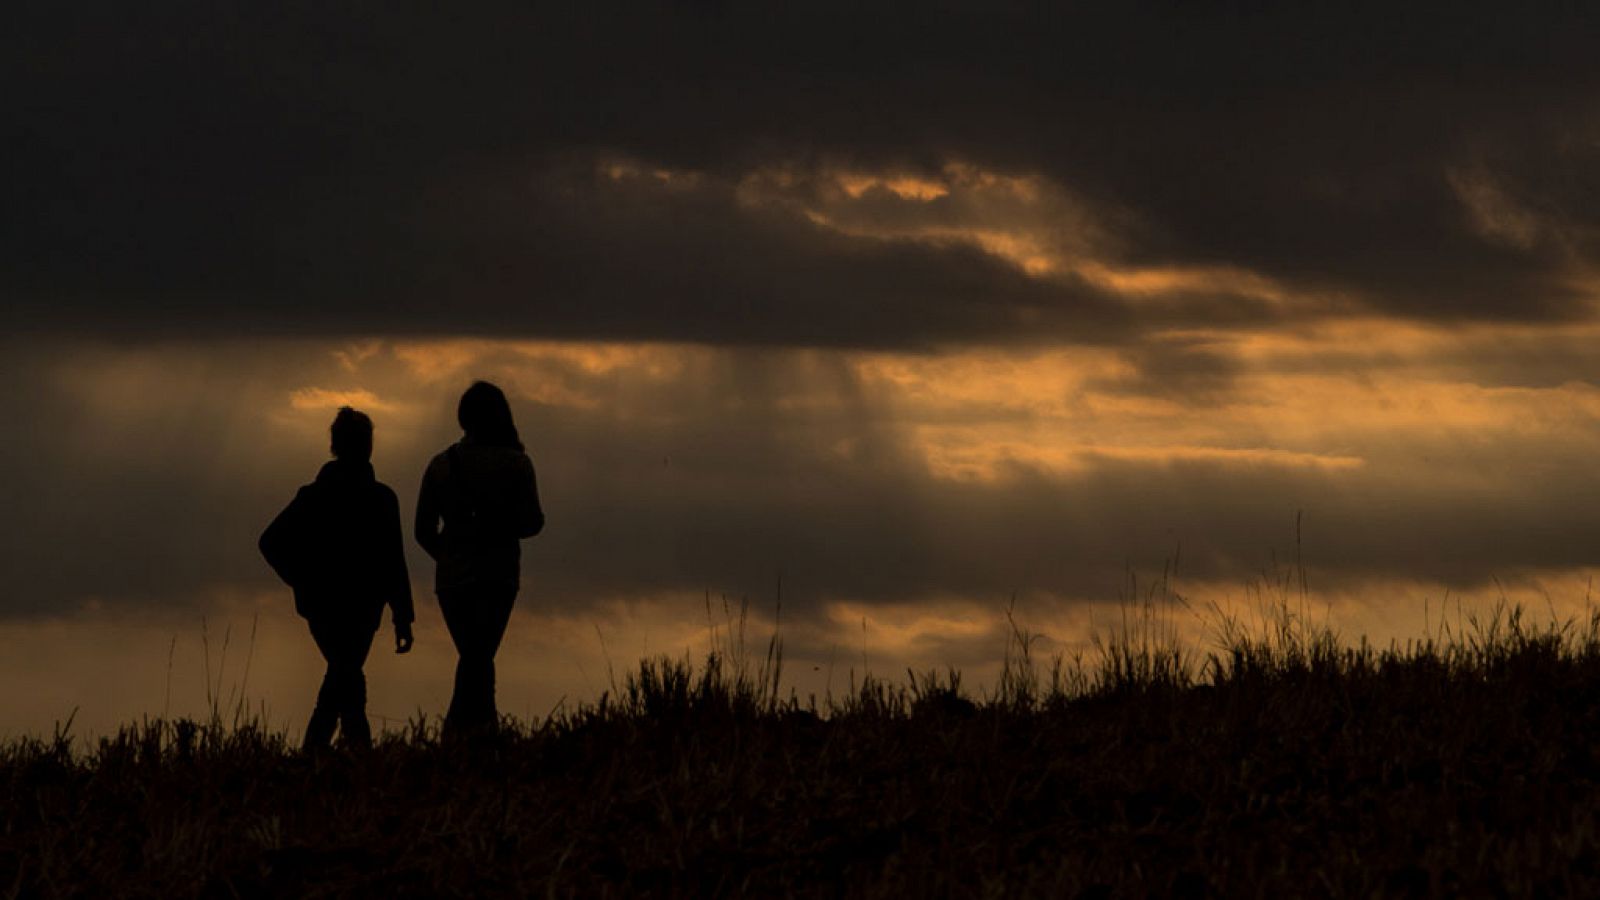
(340,546)
(479,499)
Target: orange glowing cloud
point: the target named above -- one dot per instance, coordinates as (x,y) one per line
(905,187)
(323,399)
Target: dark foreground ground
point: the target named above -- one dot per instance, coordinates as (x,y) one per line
(1290,767)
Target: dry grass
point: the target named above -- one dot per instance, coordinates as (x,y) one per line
(1286,762)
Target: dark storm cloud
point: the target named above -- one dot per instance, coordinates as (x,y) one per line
(1187,369)
(311,168)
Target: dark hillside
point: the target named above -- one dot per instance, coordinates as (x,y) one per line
(1285,767)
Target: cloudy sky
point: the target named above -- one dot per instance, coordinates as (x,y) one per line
(915,311)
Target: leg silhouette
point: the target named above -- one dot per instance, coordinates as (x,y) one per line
(477,621)
(342,700)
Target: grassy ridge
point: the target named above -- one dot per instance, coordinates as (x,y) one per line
(1284,763)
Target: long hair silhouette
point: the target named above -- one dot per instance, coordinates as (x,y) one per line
(485,416)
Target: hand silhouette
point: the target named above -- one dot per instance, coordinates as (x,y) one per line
(402,638)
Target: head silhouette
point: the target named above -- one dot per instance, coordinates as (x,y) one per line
(485,416)
(352,435)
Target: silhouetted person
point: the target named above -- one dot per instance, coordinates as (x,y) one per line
(483,493)
(339,544)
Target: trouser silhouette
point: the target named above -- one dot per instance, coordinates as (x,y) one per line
(342,701)
(476,617)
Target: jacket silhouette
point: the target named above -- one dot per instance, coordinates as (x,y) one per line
(339,545)
(487,498)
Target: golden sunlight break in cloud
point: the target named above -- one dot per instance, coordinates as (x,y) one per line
(1030,223)
(324,399)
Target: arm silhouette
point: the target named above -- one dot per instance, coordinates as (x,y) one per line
(400,588)
(529,514)
(426,526)
(282,544)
